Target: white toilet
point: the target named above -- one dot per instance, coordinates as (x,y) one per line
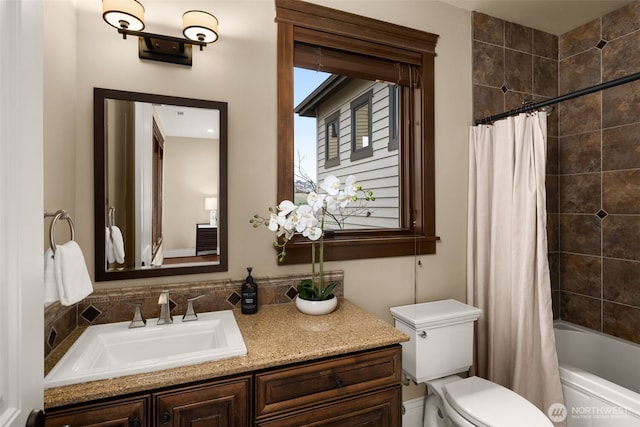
(441,346)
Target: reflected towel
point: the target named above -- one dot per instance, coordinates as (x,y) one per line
(50,286)
(118,244)
(72,277)
(108,247)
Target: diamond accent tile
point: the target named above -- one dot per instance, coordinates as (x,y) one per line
(90,313)
(601,214)
(172,305)
(504,89)
(234,298)
(52,337)
(601,44)
(291,293)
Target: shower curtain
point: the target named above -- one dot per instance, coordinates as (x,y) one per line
(507,266)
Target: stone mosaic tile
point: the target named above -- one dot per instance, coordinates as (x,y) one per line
(621,57)
(621,147)
(580,193)
(488,64)
(621,21)
(581,310)
(621,192)
(488,28)
(580,234)
(545,44)
(579,153)
(621,321)
(620,237)
(620,105)
(579,71)
(621,281)
(518,37)
(579,39)
(580,274)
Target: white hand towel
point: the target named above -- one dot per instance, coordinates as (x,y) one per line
(108,247)
(72,277)
(118,244)
(50,286)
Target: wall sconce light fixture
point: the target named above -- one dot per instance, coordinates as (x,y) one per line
(200,28)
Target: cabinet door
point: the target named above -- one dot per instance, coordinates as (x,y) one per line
(119,413)
(220,404)
(380,409)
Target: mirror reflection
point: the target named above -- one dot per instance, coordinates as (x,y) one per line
(348,126)
(160,185)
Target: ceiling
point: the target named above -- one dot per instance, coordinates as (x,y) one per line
(552,16)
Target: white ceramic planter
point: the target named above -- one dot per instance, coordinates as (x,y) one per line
(316,308)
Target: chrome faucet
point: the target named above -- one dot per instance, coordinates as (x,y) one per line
(165,315)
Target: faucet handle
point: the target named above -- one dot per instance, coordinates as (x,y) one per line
(138,321)
(191,315)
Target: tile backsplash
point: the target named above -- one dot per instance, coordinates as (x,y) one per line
(110,305)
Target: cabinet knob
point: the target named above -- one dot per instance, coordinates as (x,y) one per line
(339,383)
(165,418)
(136,422)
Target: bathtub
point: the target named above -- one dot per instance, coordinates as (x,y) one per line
(600,377)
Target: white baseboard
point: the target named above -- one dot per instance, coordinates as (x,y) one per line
(412,415)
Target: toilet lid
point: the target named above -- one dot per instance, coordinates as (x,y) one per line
(488,404)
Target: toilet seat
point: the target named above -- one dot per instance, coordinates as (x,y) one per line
(487,404)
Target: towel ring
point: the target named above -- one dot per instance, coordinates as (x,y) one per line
(61,214)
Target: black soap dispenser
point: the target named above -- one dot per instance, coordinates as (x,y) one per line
(249,303)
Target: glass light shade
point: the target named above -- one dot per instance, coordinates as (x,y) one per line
(200,26)
(210,203)
(128,14)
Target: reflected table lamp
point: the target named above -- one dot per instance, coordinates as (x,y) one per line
(211,204)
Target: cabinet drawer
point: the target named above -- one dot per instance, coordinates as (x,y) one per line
(117,413)
(380,409)
(292,387)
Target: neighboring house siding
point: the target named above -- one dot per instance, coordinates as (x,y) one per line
(378,173)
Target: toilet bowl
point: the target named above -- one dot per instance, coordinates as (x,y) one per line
(440,347)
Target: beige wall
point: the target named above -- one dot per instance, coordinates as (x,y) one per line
(241,69)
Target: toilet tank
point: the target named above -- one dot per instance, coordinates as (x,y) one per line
(441,338)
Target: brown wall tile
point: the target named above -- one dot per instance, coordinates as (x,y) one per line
(545,44)
(552,193)
(545,77)
(580,274)
(621,147)
(553,232)
(621,281)
(518,37)
(555,304)
(580,115)
(487,101)
(580,234)
(579,193)
(579,71)
(620,105)
(488,29)
(554,270)
(578,40)
(517,70)
(621,192)
(488,64)
(620,237)
(621,21)
(579,153)
(621,57)
(581,310)
(552,154)
(621,321)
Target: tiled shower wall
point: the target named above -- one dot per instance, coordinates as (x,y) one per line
(593,161)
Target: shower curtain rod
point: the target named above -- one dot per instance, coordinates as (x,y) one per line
(535,106)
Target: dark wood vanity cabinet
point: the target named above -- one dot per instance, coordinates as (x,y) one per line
(356,389)
(128,412)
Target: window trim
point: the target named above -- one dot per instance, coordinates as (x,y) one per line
(380,44)
(365,152)
(333,161)
(394,110)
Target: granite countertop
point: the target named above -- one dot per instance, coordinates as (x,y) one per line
(277,335)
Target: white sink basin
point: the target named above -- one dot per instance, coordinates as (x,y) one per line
(114,350)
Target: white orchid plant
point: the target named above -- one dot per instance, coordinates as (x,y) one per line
(309,220)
